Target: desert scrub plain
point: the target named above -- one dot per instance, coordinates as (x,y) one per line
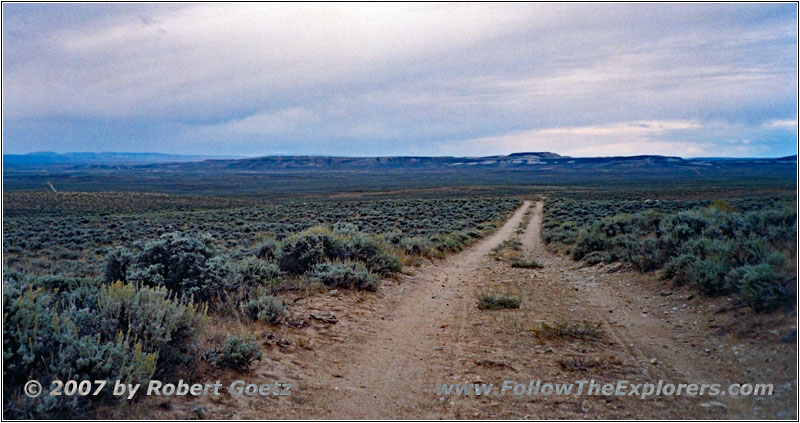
(124,286)
(364,304)
(743,246)
(70,233)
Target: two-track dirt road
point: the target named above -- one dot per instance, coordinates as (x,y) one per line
(387,352)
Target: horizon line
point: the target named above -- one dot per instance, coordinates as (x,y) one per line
(230,156)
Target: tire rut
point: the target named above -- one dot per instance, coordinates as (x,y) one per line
(393,376)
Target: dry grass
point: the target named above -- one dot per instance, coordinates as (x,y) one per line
(582,364)
(497,302)
(574,330)
(525,264)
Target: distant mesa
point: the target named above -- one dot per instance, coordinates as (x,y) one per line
(541,155)
(514,161)
(47,158)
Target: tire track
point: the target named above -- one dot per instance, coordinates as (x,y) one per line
(395,373)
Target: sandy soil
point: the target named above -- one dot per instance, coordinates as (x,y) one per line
(387,351)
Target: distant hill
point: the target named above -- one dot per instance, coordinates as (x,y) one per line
(46,158)
(365,163)
(515,161)
(277,163)
(281,175)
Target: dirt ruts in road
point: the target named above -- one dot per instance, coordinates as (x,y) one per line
(393,375)
(385,355)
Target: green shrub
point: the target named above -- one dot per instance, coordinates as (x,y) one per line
(586,243)
(750,251)
(383,263)
(695,242)
(692,219)
(393,236)
(680,232)
(236,353)
(679,269)
(299,252)
(347,274)
(622,224)
(760,286)
(219,279)
(417,245)
(513,244)
(265,309)
(497,302)
(449,242)
(650,256)
(593,258)
(116,265)
(53,334)
(185,265)
(268,249)
(525,264)
(254,272)
(162,325)
(355,245)
(708,276)
(626,247)
(707,248)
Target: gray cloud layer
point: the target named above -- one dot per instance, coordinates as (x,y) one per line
(465,79)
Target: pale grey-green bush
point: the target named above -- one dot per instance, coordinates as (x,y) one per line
(347,274)
(235,353)
(265,308)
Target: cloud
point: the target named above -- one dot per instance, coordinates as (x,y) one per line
(613,139)
(397,78)
(790,124)
(132,66)
(279,122)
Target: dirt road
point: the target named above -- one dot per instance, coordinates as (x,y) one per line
(387,352)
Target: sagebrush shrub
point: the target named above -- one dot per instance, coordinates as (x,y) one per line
(354,245)
(265,309)
(626,247)
(760,286)
(710,248)
(179,263)
(586,243)
(750,251)
(268,249)
(708,276)
(593,258)
(393,236)
(254,272)
(116,265)
(160,323)
(299,252)
(185,265)
(417,245)
(236,353)
(90,331)
(707,245)
(649,254)
(347,274)
(679,269)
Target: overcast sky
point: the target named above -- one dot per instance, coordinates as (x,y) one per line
(401,79)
